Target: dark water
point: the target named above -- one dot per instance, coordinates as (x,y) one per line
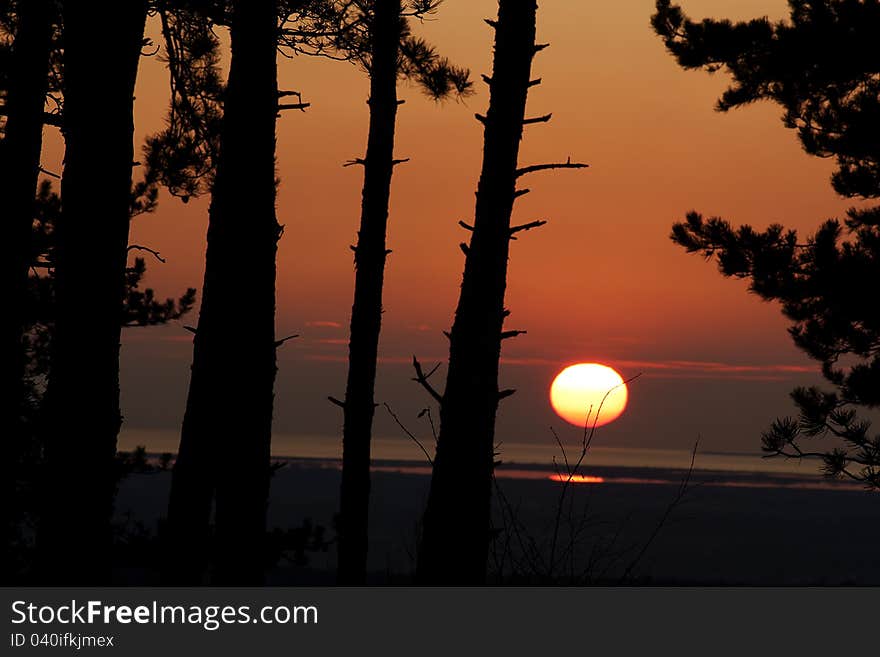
(729,528)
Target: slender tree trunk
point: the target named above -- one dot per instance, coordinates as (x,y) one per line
(227,427)
(455,532)
(102,49)
(19,170)
(366,312)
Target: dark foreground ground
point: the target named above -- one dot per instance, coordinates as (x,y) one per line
(748,531)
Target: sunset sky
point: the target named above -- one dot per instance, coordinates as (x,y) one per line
(601,282)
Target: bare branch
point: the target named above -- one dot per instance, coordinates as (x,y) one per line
(422,379)
(336,402)
(409,433)
(427,412)
(357,160)
(538,119)
(280,343)
(433,370)
(568,164)
(529,226)
(138,247)
(568,470)
(680,494)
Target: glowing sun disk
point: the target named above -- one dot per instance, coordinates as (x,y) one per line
(588,393)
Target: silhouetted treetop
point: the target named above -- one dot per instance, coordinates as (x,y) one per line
(821,285)
(822,66)
(182,157)
(825,286)
(435,75)
(344,30)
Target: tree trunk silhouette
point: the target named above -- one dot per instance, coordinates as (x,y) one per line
(366,312)
(455,531)
(19,170)
(82,399)
(225,441)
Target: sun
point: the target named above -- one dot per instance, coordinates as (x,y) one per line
(581,391)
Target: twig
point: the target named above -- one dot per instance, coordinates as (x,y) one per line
(422,379)
(568,164)
(562,449)
(682,491)
(427,412)
(589,433)
(538,119)
(408,433)
(280,343)
(529,226)
(294,106)
(138,247)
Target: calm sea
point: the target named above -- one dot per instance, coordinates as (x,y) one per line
(527,461)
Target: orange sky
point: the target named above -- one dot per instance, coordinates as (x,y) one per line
(601,282)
